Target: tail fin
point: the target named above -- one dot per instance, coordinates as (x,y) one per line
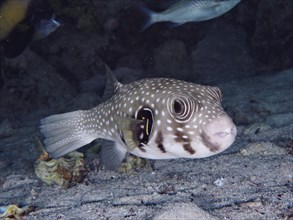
(65,133)
(150,17)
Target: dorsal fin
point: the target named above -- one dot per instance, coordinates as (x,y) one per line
(112,84)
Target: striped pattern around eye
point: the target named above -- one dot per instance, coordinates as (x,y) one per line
(181,108)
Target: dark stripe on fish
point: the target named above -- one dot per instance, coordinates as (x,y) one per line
(185,141)
(140,146)
(206,140)
(187,147)
(159,141)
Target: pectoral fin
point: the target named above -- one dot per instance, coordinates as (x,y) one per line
(112,154)
(129,128)
(135,132)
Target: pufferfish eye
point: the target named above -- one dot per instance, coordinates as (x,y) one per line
(178,107)
(181,107)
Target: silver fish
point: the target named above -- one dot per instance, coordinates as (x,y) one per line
(190,10)
(157,118)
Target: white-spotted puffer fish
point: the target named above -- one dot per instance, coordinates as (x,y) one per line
(157,118)
(190,11)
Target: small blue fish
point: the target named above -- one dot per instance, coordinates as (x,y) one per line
(190,10)
(45,27)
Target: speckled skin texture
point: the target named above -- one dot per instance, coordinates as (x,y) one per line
(168,119)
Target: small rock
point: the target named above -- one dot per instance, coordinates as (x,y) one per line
(220,181)
(179,211)
(256,128)
(263,148)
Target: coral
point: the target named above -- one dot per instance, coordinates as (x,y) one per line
(14,212)
(132,164)
(65,171)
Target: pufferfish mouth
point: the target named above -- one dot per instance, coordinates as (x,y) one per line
(213,147)
(228,136)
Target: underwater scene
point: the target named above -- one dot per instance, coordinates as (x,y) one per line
(146,109)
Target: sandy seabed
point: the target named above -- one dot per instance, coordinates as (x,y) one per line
(253,179)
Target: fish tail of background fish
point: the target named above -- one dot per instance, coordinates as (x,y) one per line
(45,27)
(151,17)
(67,132)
